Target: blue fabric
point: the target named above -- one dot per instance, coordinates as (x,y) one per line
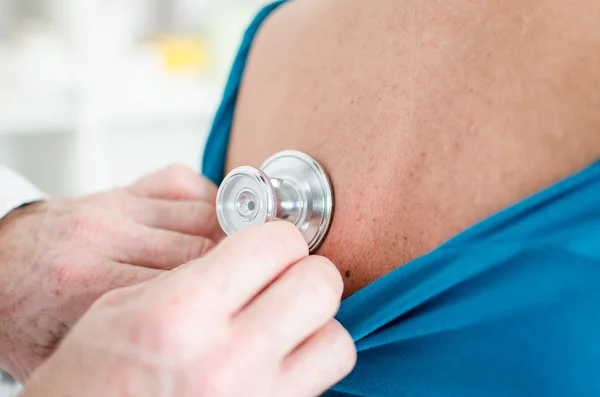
(510,307)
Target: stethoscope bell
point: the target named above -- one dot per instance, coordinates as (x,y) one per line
(289,186)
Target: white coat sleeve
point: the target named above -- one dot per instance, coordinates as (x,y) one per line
(15,191)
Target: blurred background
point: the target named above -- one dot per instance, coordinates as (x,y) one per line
(95,93)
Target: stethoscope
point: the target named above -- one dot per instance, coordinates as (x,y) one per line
(289,186)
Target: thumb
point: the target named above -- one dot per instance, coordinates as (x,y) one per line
(175,182)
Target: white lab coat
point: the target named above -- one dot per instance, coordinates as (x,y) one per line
(15,191)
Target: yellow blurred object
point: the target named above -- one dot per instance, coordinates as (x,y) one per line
(183,53)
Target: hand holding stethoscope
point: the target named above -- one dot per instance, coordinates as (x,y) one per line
(251,319)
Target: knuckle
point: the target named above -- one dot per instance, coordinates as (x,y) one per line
(254,340)
(178,178)
(322,281)
(177,173)
(176,169)
(344,349)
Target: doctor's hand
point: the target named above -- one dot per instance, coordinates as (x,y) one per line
(253,318)
(58,256)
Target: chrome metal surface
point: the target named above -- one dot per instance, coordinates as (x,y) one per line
(246,197)
(289,186)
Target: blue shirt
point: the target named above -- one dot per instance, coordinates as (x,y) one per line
(509,307)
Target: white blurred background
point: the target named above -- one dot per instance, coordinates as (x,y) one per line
(96,93)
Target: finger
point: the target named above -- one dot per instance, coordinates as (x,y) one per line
(300,302)
(241,266)
(176,182)
(111,276)
(191,217)
(318,364)
(122,275)
(159,249)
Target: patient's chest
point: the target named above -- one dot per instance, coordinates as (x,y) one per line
(428,116)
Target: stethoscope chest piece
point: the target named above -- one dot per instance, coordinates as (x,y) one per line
(289,186)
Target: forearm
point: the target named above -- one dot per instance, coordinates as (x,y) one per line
(15,191)
(4,343)
(8,301)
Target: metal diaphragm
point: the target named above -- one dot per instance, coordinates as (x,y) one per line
(289,186)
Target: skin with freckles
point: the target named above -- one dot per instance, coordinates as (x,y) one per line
(428,115)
